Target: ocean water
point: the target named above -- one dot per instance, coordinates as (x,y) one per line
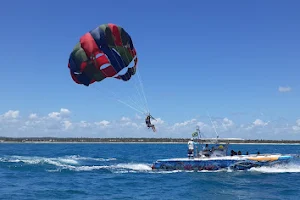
(123,171)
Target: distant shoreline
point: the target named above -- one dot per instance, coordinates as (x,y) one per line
(139,141)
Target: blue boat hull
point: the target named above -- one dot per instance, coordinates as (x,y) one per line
(231,162)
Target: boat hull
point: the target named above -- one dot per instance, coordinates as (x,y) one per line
(231,162)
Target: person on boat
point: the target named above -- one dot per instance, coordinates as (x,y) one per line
(148,122)
(206,148)
(191,148)
(233,153)
(206,151)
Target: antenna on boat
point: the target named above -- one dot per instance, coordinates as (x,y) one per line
(214,127)
(199,140)
(198,132)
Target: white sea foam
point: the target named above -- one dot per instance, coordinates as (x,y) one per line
(77,157)
(134,166)
(66,161)
(287,168)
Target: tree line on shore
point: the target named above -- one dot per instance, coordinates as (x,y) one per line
(136,140)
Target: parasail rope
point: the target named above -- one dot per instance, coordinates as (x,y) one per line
(142,87)
(140,82)
(123,102)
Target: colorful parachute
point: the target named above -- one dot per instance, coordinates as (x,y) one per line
(101,53)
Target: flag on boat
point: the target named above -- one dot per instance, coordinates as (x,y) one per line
(195,134)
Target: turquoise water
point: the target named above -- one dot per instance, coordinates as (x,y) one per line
(122,171)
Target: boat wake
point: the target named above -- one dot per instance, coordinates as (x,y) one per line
(71,163)
(284,168)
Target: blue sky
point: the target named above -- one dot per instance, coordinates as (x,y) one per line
(226,58)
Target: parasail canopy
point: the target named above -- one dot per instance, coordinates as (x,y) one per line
(103,53)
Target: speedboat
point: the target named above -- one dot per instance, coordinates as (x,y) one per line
(236,162)
(216,158)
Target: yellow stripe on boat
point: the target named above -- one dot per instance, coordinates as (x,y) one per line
(264,158)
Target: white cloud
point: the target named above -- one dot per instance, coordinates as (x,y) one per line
(296,128)
(64,111)
(83,124)
(102,123)
(67,124)
(259,122)
(54,115)
(125,119)
(127,122)
(185,123)
(157,121)
(61,124)
(256,124)
(11,114)
(58,115)
(284,89)
(227,123)
(33,116)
